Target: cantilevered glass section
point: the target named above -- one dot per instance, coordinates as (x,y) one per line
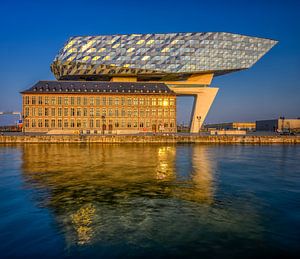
(171,56)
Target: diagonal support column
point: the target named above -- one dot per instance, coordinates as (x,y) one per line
(204,97)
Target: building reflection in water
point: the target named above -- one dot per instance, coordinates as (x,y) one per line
(99,191)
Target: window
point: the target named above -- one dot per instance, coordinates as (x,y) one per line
(40,112)
(66,124)
(142,101)
(52,123)
(40,100)
(33,123)
(91,123)
(66,111)
(46,123)
(52,111)
(66,100)
(103,100)
(135,101)
(72,123)
(159,112)
(172,112)
(129,113)
(97,123)
(166,112)
(84,100)
(46,100)
(153,112)
(97,112)
(59,111)
(135,113)
(46,111)
(117,124)
(103,112)
(26,111)
(84,124)
(85,111)
(40,123)
(53,100)
(135,124)
(33,100)
(110,112)
(59,123)
(78,111)
(97,101)
(141,124)
(78,123)
(73,112)
(92,112)
(123,123)
(91,100)
(147,112)
(110,101)
(59,100)
(116,112)
(123,100)
(129,124)
(72,101)
(33,112)
(78,100)
(153,101)
(160,101)
(26,99)
(123,112)
(129,101)
(26,123)
(172,101)
(142,113)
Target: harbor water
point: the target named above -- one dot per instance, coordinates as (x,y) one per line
(148,200)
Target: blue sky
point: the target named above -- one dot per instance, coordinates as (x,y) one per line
(32,32)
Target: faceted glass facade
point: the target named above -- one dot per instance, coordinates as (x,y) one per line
(162,55)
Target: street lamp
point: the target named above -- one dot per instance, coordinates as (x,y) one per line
(103,120)
(199,119)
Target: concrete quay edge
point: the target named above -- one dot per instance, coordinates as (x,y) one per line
(19,139)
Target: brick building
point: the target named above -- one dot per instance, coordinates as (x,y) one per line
(99,107)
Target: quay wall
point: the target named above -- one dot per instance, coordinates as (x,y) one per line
(150,139)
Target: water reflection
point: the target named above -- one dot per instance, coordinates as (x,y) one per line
(115,192)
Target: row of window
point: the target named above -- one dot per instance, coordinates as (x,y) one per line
(46,100)
(98,112)
(40,123)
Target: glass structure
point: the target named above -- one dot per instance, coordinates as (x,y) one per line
(170,56)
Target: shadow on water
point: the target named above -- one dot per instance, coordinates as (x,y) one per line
(142,200)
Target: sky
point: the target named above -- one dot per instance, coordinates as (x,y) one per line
(32,32)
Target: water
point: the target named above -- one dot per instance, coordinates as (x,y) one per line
(91,201)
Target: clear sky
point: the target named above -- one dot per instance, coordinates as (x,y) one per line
(32,32)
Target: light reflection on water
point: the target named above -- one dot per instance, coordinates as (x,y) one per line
(161,200)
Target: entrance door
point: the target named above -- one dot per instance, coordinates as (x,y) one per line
(154,127)
(103,128)
(110,128)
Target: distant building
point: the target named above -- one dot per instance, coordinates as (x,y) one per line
(99,107)
(278,125)
(232,126)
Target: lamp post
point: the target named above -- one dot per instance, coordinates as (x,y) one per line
(199,119)
(103,120)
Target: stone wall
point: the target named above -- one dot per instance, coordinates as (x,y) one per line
(151,139)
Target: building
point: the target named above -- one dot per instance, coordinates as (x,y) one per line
(280,124)
(183,62)
(99,107)
(249,126)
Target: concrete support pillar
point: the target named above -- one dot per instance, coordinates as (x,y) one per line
(204,97)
